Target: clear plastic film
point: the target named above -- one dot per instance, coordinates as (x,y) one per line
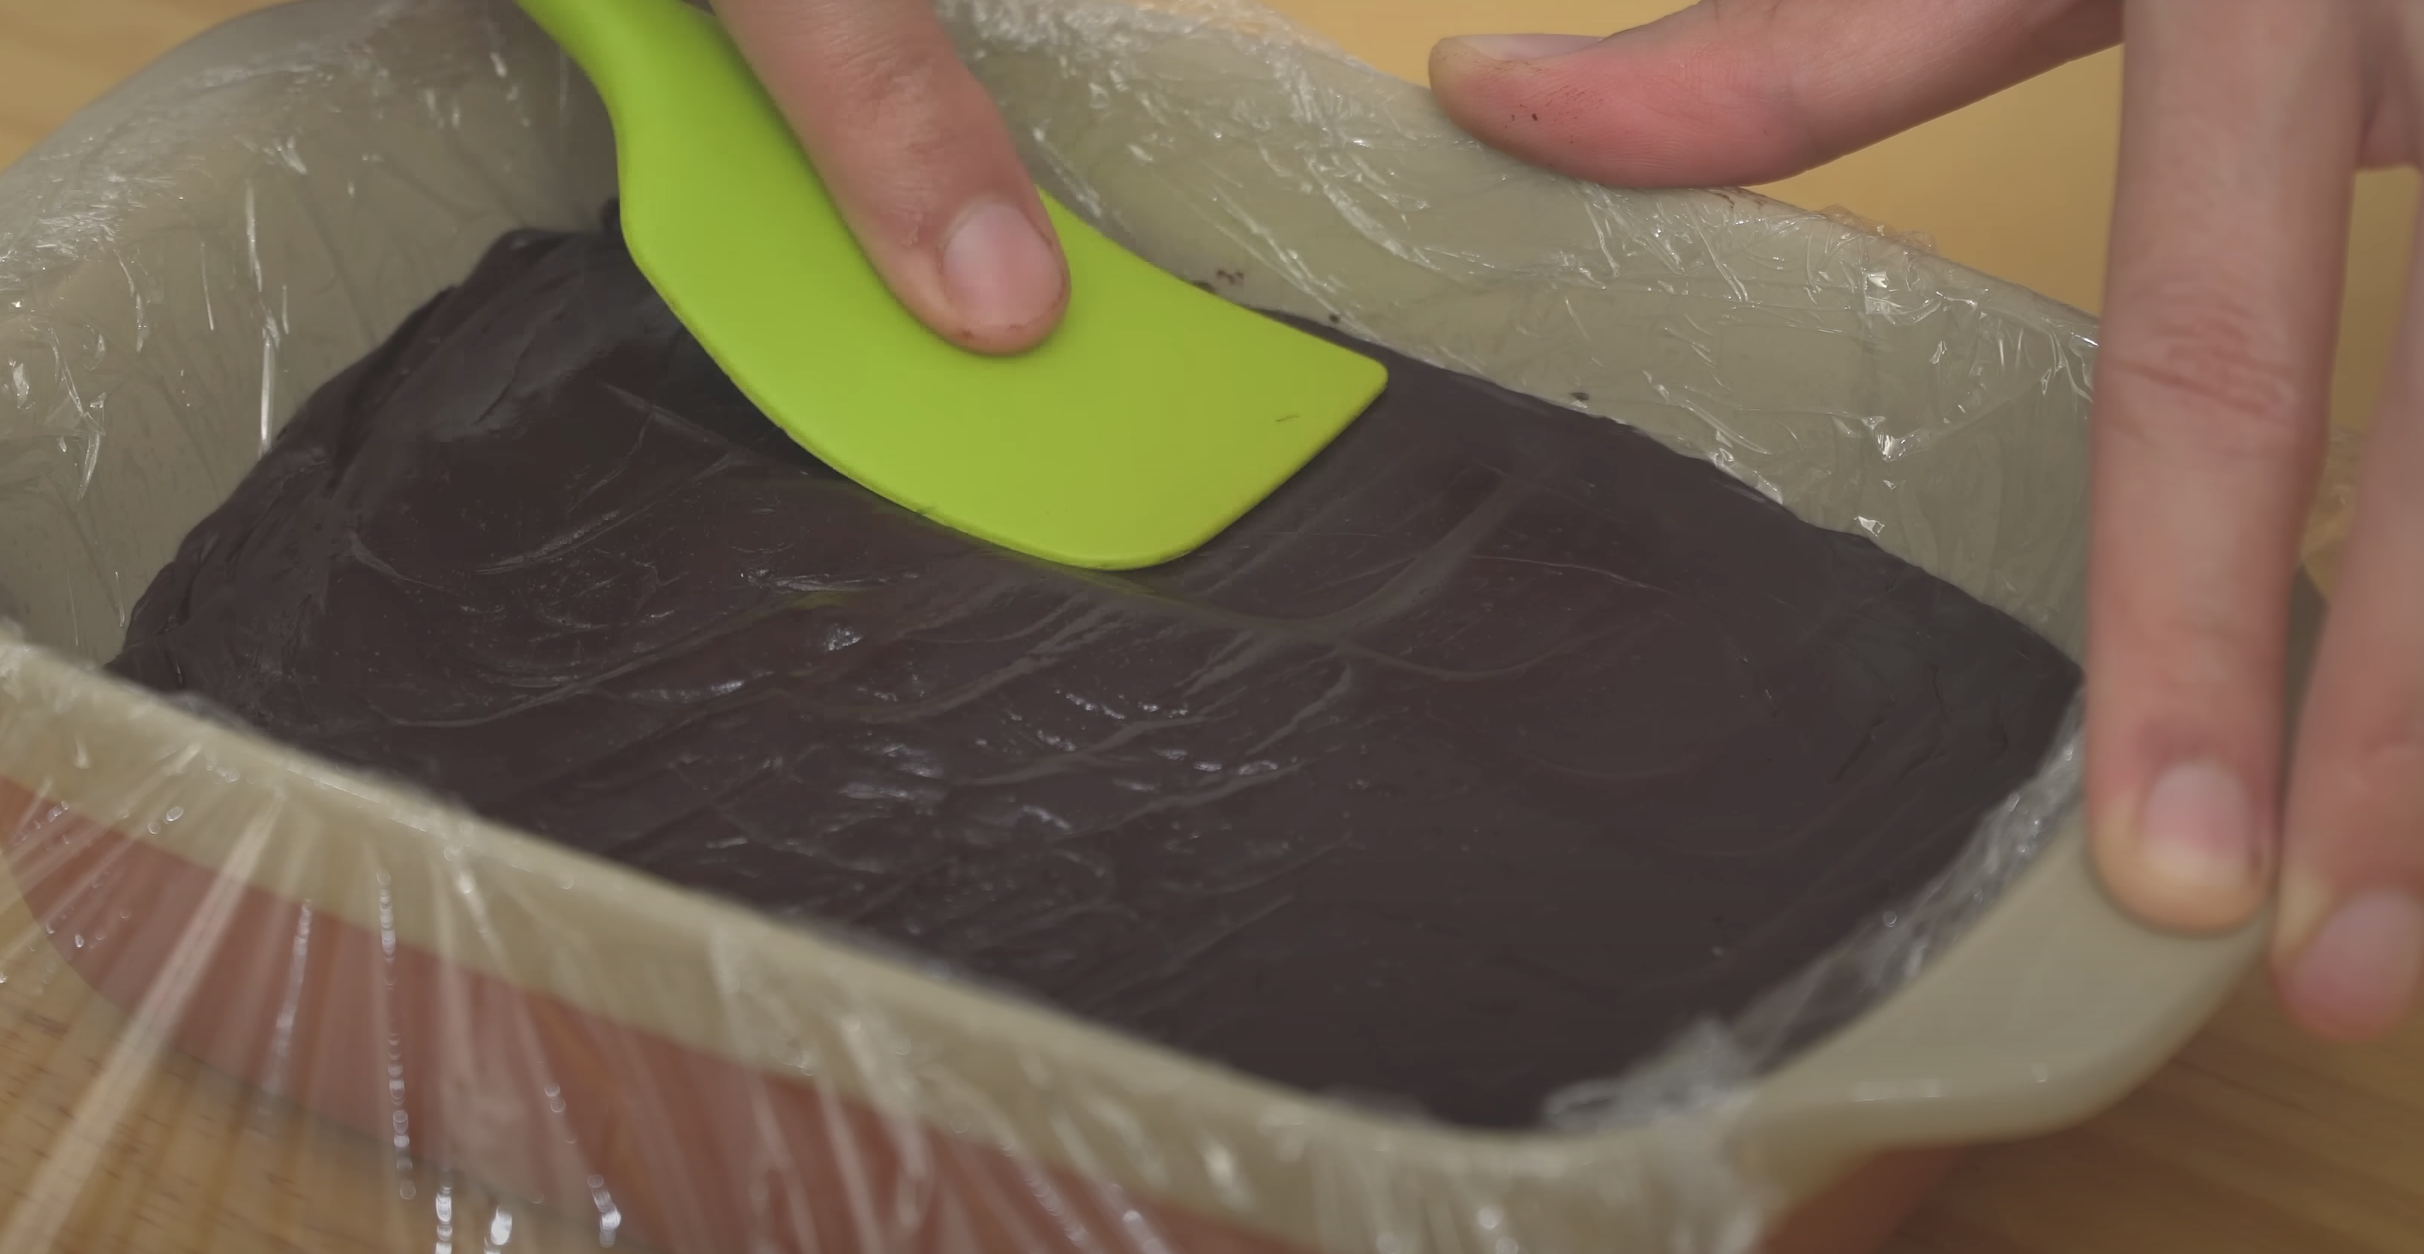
(244,993)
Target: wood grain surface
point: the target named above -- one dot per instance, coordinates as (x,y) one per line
(2254,1141)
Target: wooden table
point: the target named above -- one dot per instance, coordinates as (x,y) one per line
(2255,1140)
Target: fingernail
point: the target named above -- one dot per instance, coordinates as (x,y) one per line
(1525,47)
(998,272)
(2197,833)
(2358,976)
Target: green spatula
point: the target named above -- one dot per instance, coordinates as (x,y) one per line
(1152,419)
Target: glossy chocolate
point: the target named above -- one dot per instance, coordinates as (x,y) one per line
(1489,752)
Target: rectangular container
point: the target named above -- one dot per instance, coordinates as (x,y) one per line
(192,255)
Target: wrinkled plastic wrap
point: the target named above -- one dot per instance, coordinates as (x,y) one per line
(238,987)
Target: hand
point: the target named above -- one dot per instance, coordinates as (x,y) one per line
(918,159)
(2243,124)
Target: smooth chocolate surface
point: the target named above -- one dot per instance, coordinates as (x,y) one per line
(1494,748)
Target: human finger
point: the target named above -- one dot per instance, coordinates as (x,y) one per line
(2239,138)
(1748,93)
(917,158)
(2349,948)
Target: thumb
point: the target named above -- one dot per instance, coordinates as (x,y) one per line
(918,160)
(1748,93)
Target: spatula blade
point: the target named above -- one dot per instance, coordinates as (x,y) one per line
(1155,416)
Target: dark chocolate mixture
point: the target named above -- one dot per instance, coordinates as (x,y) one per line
(1494,748)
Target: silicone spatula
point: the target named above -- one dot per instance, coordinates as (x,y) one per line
(1155,416)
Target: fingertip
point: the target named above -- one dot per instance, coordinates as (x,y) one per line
(2356,978)
(1541,99)
(1004,279)
(918,159)
(1657,106)
(2165,901)
(1473,88)
(1450,68)
(1494,52)
(2191,855)
(1520,92)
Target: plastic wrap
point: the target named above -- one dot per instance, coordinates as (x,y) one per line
(466,1036)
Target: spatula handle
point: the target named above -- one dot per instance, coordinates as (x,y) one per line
(680,93)
(604,36)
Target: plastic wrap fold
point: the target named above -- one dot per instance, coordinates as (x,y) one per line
(232,978)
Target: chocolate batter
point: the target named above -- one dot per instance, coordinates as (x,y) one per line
(1486,754)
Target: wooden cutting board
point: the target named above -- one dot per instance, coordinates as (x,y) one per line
(2255,1141)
